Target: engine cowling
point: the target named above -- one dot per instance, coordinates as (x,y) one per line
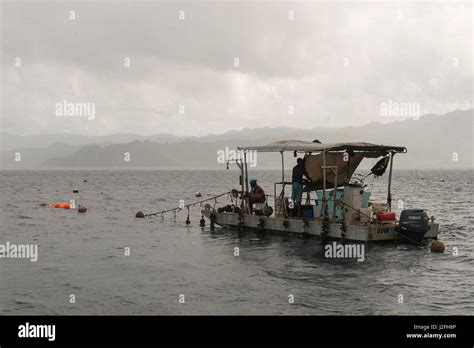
(413,225)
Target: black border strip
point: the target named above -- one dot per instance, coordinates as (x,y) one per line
(291,330)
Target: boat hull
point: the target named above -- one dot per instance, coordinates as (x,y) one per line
(375,232)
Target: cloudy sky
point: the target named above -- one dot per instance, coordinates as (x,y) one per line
(334,64)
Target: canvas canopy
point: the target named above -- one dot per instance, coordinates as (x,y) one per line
(335,156)
(307,146)
(345,169)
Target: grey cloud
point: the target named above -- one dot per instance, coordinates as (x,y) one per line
(400,52)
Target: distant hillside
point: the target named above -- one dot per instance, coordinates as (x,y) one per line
(12,141)
(433,141)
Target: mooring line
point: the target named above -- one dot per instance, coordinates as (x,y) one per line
(186,205)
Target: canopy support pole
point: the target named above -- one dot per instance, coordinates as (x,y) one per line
(335,196)
(283,174)
(247,200)
(241,167)
(348,167)
(389,193)
(324,174)
(334,172)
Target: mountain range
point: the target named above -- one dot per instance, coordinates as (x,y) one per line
(433,142)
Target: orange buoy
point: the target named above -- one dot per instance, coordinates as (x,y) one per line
(62,205)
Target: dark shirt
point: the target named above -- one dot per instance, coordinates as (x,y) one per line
(257,195)
(257,191)
(298,172)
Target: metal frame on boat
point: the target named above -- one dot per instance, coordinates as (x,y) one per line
(342,210)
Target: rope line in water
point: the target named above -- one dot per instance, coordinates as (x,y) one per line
(188,205)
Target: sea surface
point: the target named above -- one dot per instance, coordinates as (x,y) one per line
(84,254)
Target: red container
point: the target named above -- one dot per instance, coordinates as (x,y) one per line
(387,216)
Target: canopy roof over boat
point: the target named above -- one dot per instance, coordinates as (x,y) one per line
(307,146)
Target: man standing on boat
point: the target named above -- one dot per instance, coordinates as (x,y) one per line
(297,185)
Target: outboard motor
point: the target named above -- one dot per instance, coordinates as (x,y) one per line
(413,225)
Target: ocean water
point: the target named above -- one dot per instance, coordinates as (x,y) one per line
(84,254)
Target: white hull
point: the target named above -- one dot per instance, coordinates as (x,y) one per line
(356,232)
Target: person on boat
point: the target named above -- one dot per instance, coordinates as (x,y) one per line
(297,185)
(257,195)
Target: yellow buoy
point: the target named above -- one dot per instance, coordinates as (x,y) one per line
(437,246)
